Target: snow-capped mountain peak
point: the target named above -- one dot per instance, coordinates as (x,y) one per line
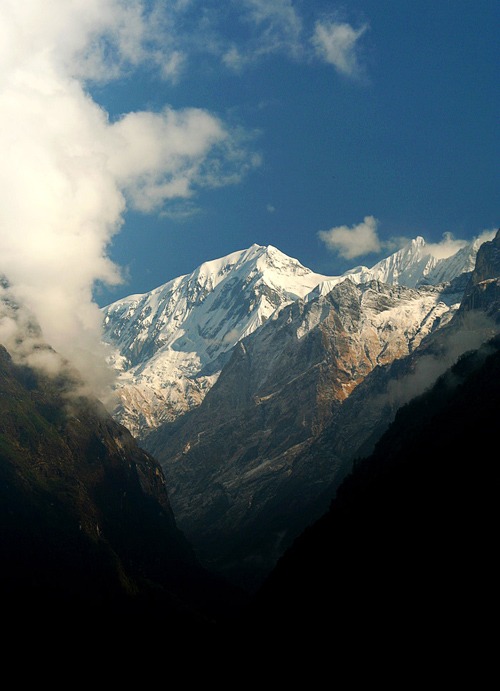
(413,265)
(232,295)
(408,266)
(170,344)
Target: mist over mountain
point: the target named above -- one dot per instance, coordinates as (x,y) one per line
(376,400)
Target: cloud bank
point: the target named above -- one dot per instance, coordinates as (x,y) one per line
(68,174)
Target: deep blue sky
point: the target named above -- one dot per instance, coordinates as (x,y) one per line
(402,127)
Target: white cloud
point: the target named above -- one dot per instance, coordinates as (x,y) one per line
(279,11)
(87,39)
(231,336)
(263,28)
(474,329)
(159,156)
(337,44)
(361,239)
(181,210)
(447,247)
(68,174)
(354,241)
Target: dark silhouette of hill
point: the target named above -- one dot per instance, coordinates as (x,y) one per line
(404,557)
(88,540)
(89,543)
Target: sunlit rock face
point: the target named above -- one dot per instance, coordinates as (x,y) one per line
(301,398)
(237,465)
(169,345)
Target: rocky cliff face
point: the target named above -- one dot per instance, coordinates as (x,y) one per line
(305,395)
(483,289)
(235,464)
(355,427)
(301,373)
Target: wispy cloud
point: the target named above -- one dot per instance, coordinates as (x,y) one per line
(271,27)
(354,241)
(279,24)
(263,28)
(486,235)
(173,66)
(338,44)
(181,210)
(471,332)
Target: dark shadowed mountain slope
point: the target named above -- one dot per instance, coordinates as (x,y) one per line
(87,534)
(234,464)
(404,558)
(312,389)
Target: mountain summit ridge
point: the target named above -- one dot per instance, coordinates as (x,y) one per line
(170,344)
(412,265)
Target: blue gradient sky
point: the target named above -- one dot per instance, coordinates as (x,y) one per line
(377,109)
